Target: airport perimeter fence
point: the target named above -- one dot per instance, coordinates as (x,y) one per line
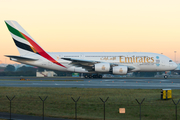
(135,109)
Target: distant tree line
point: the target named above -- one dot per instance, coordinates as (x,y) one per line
(10,70)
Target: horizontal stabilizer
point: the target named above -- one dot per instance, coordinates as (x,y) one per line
(21,58)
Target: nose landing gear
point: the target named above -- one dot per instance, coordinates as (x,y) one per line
(165,76)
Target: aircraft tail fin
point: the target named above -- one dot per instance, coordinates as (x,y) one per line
(24,42)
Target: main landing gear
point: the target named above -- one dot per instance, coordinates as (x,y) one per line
(92,76)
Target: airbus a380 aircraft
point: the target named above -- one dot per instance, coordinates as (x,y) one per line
(93,64)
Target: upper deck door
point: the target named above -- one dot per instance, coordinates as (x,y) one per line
(81,56)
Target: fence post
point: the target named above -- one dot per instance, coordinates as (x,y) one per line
(176,106)
(43,105)
(10,104)
(140,106)
(75,106)
(104,105)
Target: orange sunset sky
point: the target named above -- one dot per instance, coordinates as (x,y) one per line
(94,25)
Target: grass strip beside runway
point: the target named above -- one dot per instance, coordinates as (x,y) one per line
(90,107)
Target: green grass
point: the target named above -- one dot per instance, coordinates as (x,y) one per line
(90,107)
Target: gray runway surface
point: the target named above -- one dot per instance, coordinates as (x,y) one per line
(145,83)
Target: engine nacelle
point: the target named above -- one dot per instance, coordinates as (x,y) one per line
(102,67)
(120,70)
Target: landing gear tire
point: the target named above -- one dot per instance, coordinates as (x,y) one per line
(85,76)
(100,76)
(94,76)
(165,77)
(90,76)
(97,76)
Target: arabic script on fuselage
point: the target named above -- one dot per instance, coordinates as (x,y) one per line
(137,59)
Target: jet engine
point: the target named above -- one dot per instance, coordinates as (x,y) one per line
(102,67)
(120,70)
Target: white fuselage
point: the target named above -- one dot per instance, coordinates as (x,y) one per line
(140,61)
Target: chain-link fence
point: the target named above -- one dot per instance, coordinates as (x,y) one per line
(101,108)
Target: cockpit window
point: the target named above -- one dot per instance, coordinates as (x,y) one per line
(170,60)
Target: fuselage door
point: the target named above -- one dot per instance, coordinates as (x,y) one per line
(49,63)
(163,63)
(58,57)
(81,56)
(170,63)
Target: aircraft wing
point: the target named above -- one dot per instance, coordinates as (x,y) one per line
(88,64)
(21,58)
(81,60)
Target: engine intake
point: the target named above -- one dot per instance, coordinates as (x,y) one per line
(102,67)
(120,70)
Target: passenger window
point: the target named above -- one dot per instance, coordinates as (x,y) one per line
(170,60)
